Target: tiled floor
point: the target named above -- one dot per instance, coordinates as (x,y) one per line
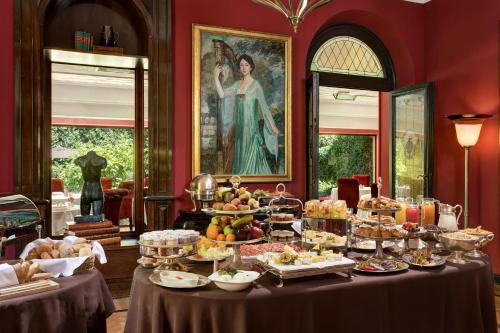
(116,323)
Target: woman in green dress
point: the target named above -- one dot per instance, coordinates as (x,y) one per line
(243,104)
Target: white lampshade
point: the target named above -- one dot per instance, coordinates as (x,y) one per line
(468,134)
(468,127)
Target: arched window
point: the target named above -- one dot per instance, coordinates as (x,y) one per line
(347,55)
(351,56)
(353,59)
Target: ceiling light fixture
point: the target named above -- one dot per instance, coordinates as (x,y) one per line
(294,16)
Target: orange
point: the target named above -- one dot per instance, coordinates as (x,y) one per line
(221,237)
(231,237)
(212,231)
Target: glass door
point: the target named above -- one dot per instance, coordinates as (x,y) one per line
(412,141)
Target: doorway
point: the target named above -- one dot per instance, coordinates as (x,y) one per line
(348,68)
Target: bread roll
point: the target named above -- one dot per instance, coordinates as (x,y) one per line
(85,251)
(41,276)
(55,254)
(25,266)
(65,251)
(45,255)
(34,268)
(80,241)
(45,247)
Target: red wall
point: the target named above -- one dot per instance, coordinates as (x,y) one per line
(461,56)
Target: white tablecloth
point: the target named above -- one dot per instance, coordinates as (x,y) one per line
(61,215)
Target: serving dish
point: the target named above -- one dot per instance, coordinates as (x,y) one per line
(200,282)
(234,280)
(459,242)
(148,262)
(380,266)
(370,245)
(200,258)
(292,271)
(421,259)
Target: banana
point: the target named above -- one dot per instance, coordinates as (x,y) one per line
(242,221)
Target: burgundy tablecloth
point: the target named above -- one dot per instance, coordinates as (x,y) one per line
(454,299)
(81,304)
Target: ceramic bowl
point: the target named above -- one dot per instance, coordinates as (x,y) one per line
(240,282)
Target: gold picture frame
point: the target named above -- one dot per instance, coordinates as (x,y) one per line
(241,104)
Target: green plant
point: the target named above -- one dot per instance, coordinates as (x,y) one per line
(116,145)
(343,156)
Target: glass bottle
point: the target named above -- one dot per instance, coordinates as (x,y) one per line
(428,211)
(401,214)
(413,213)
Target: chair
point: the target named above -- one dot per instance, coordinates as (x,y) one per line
(348,190)
(362,179)
(106,183)
(56,185)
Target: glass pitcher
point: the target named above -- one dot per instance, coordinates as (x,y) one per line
(448,218)
(428,211)
(401,214)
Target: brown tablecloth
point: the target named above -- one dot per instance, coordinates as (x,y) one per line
(81,304)
(454,299)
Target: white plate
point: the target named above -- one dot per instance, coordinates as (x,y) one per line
(370,245)
(311,242)
(212,211)
(203,259)
(155,278)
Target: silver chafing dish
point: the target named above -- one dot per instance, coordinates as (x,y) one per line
(202,188)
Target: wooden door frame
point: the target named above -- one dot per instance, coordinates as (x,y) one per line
(32,112)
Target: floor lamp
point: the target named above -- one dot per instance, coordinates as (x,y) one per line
(468,128)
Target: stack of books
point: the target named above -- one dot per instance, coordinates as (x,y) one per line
(103,232)
(84,41)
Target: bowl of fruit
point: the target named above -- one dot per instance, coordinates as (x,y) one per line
(234,228)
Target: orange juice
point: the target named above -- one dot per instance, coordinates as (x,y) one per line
(428,212)
(401,214)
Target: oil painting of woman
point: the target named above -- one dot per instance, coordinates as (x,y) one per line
(243,105)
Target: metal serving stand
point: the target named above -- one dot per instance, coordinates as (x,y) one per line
(283,275)
(20,223)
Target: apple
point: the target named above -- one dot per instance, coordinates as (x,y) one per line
(256,233)
(243,233)
(255,223)
(236,202)
(229,207)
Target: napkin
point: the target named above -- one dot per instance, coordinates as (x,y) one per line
(8,276)
(63,266)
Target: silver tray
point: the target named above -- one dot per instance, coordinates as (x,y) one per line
(300,273)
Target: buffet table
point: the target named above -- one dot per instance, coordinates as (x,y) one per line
(454,298)
(81,304)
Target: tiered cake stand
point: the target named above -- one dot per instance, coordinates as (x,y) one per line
(379,250)
(170,254)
